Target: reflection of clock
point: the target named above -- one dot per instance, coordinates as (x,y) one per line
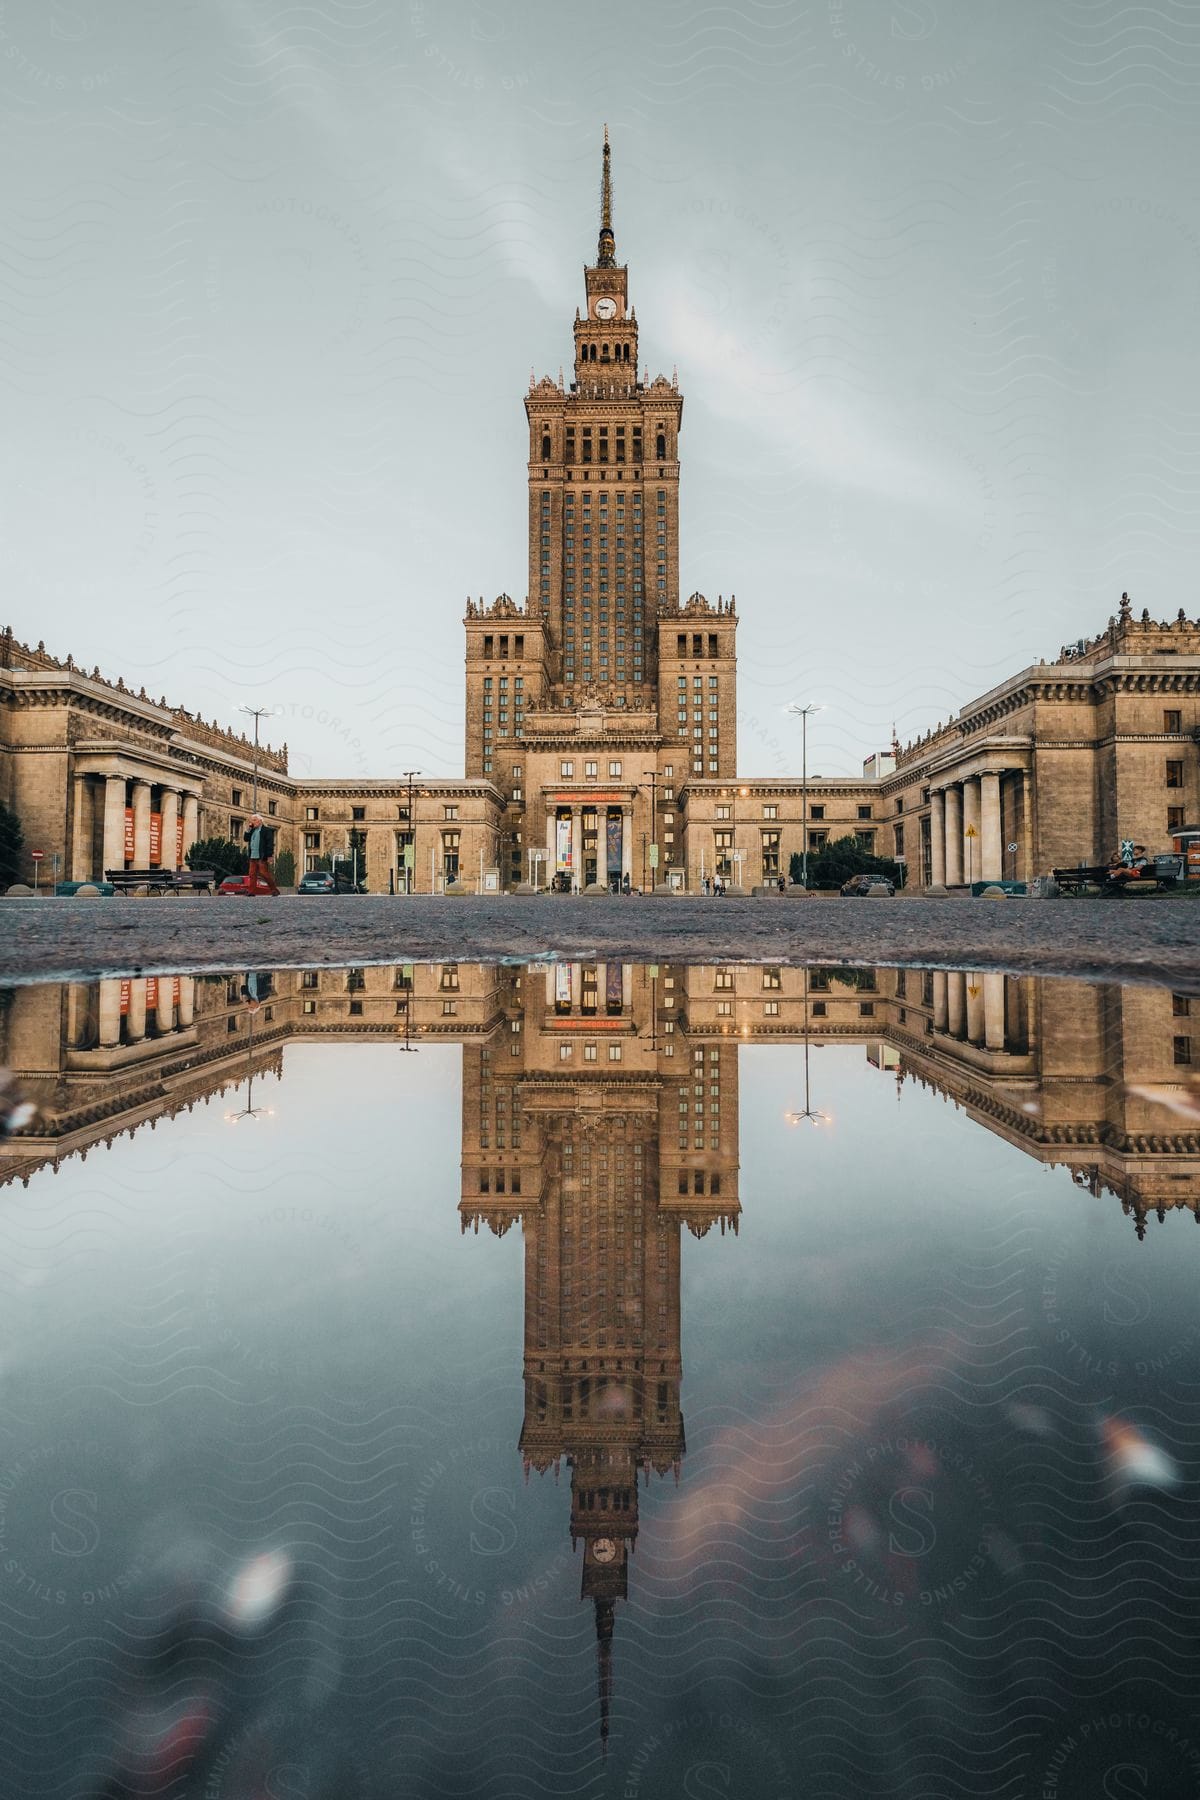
(603,1550)
(606,308)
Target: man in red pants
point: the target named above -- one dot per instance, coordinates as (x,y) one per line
(259,845)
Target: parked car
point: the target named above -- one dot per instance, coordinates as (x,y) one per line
(859,885)
(323,881)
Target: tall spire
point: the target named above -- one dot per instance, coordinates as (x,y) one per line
(606,254)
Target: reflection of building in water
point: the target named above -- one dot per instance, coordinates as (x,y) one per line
(600,1111)
(587,1117)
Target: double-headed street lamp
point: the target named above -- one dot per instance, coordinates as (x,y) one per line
(256,713)
(410,858)
(802,712)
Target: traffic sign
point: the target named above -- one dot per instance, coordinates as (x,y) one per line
(1012,849)
(36,855)
(970,832)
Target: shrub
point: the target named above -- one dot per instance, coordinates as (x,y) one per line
(218,853)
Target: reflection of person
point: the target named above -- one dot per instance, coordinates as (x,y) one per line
(260,844)
(15,1111)
(256,988)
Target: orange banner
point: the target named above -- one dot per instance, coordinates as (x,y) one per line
(179,842)
(151,990)
(124,998)
(155,839)
(129,834)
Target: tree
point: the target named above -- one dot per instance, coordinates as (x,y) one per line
(12,845)
(285,869)
(346,861)
(844,857)
(218,853)
(796,868)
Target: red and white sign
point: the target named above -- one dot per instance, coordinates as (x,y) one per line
(36,855)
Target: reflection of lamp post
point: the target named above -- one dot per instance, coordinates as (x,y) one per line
(249,1111)
(802,712)
(807,1114)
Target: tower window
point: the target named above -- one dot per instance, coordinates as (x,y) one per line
(545,446)
(660,447)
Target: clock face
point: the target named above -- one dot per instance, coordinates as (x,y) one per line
(603,1550)
(606,308)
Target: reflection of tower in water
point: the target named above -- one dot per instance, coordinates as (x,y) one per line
(601,1136)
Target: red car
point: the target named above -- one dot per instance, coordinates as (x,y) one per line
(240,884)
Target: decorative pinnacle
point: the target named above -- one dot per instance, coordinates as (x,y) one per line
(606,253)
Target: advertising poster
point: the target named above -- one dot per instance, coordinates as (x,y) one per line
(563,841)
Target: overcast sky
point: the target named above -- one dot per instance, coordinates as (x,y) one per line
(273,277)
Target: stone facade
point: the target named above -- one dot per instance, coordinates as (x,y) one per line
(601,714)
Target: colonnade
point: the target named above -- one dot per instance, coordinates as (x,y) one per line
(969,1007)
(130,999)
(176,803)
(966,838)
(601,811)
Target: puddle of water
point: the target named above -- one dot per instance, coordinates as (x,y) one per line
(603,1379)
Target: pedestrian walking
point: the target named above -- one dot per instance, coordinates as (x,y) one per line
(260,846)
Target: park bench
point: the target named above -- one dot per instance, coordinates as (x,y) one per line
(161,881)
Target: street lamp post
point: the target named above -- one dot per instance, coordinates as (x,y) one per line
(806,1114)
(256,713)
(653,774)
(802,712)
(410,861)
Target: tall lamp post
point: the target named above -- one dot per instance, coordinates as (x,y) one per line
(256,713)
(653,774)
(410,860)
(802,712)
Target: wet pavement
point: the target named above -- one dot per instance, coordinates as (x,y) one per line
(1152,939)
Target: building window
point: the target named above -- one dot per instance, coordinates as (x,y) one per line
(589,771)
(817,840)
(1183,1050)
(309,979)
(356,981)
(772,979)
(1176,815)
(236,827)
(614,768)
(770,812)
(312,840)
(724,1009)
(866,1009)
(1172,720)
(310,1006)
(865,841)
(1181,1006)
(272,808)
(235,797)
(589,1053)
(312,812)
(449,1008)
(816,812)
(771,1009)
(564,1052)
(819,1009)
(614,1053)
(723,978)
(770,854)
(356,1007)
(566,770)
(358,812)
(722,812)
(1174,774)
(449,812)
(864,812)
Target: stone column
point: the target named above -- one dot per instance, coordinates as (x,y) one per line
(169,856)
(991,847)
(110,1014)
(576,986)
(939,1000)
(937,840)
(954,837)
(79,858)
(141,824)
(164,1008)
(551,822)
(974,987)
(627,843)
(971,817)
(135,1018)
(191,823)
(187,999)
(114,822)
(993,1011)
(626,986)
(956,1002)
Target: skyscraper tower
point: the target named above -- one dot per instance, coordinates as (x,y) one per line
(602,659)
